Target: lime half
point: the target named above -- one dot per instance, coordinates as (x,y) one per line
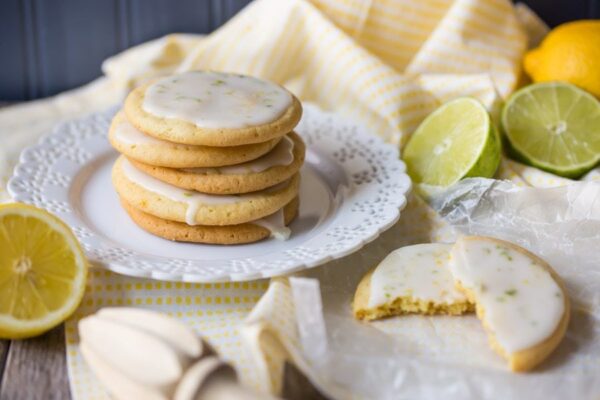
(456,141)
(554,126)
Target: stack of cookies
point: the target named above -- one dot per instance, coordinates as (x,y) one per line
(209,157)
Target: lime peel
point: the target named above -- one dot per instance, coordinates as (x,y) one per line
(456,141)
(554,126)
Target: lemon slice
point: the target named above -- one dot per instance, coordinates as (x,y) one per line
(458,140)
(42,271)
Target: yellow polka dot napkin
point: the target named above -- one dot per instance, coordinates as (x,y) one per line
(384,63)
(524,175)
(215,310)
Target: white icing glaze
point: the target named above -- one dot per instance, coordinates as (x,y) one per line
(420,271)
(192,198)
(129,134)
(281,155)
(275,223)
(523,305)
(216,100)
(277,187)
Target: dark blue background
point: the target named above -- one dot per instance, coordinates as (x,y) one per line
(52,45)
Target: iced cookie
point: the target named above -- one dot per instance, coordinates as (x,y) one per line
(172,203)
(213,109)
(274,225)
(278,165)
(412,279)
(136,145)
(520,300)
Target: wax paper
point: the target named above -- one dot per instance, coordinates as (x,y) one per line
(420,357)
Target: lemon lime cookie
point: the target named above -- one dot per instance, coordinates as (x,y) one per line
(136,145)
(169,202)
(213,109)
(412,279)
(209,157)
(278,165)
(274,225)
(520,300)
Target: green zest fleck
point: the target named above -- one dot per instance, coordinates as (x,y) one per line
(504,252)
(510,292)
(500,299)
(488,251)
(188,194)
(435,271)
(218,82)
(557,294)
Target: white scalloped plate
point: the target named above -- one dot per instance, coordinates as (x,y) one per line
(353,188)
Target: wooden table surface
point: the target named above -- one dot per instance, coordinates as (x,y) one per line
(35,368)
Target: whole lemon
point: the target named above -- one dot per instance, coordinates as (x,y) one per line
(570,52)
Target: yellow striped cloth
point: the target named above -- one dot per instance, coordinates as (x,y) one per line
(384,63)
(387,63)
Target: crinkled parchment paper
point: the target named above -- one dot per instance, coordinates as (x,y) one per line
(418,357)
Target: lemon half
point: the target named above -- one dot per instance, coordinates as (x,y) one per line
(42,271)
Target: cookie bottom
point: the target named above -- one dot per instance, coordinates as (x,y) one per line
(226,234)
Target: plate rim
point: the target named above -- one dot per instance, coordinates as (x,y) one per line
(33,170)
